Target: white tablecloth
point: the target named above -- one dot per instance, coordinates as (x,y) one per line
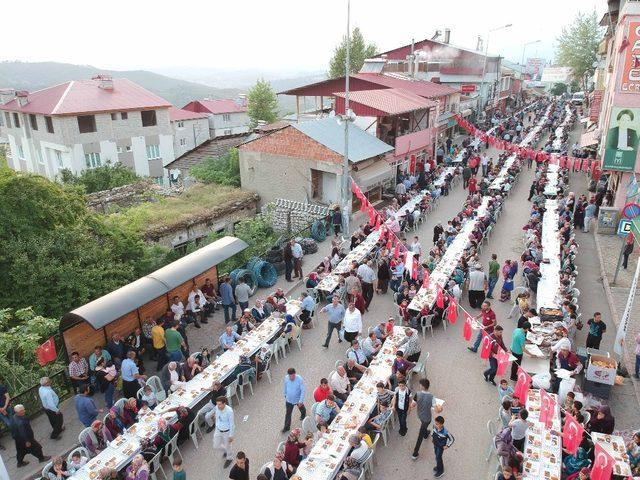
(549,283)
(438,182)
(557,143)
(358,253)
(124,448)
(329,452)
(542,449)
(447,264)
(551,188)
(614,445)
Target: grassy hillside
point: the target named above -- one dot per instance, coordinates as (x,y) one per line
(34,76)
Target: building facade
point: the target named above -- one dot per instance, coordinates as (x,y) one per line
(190,129)
(84,124)
(226,116)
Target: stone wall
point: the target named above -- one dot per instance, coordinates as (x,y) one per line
(126,196)
(288,216)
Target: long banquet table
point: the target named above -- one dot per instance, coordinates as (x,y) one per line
(557,143)
(123,448)
(542,447)
(614,445)
(551,188)
(549,283)
(332,448)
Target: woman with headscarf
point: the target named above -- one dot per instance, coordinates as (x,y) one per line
(583,474)
(113,423)
(384,275)
(507,285)
(574,463)
(602,421)
(351,469)
(279,469)
(97,439)
(504,445)
(312,280)
(326,264)
(130,412)
(138,469)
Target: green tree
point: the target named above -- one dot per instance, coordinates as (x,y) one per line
(262,103)
(101,178)
(359,51)
(558,88)
(223,170)
(55,254)
(578,46)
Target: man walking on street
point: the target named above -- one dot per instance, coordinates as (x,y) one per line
(477,286)
(489,322)
(494,268)
(228,300)
(518,340)
(596,328)
(442,440)
(130,376)
(335,311)
(293,395)
(424,402)
(367,277)
(24,439)
(466,175)
(225,429)
(497,343)
(296,251)
(51,405)
(242,294)
(287,257)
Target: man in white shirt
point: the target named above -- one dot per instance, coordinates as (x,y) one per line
(367,276)
(201,303)
(197,307)
(339,383)
(352,323)
(484,162)
(371,345)
(477,286)
(400,189)
(415,246)
(177,307)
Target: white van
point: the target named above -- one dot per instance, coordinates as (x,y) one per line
(577,98)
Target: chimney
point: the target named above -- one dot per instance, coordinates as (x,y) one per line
(105,81)
(23,97)
(6,95)
(447,35)
(479,44)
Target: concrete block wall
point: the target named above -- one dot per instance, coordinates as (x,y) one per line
(289,216)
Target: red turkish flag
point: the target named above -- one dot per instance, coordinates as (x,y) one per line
(547,408)
(414,268)
(585,165)
(396,250)
(522,385)
(563,162)
(46,353)
(503,362)
(439,297)
(389,243)
(485,349)
(452,311)
(363,206)
(378,222)
(571,434)
(602,464)
(466,330)
(425,277)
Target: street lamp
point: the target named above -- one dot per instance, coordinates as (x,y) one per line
(486,53)
(524,47)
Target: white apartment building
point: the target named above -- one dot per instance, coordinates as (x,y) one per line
(190,129)
(83,124)
(226,116)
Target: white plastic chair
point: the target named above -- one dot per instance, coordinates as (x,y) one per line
(139,393)
(171,448)
(298,338)
(426,322)
(281,346)
(119,405)
(246,377)
(265,467)
(82,438)
(81,450)
(274,351)
(155,466)
(194,429)
(280,447)
(309,425)
(47,468)
(492,428)
(156,385)
(232,391)
(267,368)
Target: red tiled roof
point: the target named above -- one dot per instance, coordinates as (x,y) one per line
(85,96)
(178,114)
(391,101)
(217,106)
(418,87)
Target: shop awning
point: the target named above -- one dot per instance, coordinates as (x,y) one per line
(374,175)
(590,138)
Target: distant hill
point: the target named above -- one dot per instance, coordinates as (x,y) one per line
(38,75)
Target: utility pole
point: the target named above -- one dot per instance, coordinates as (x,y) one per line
(484,65)
(346,179)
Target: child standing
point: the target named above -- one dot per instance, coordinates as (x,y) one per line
(178,472)
(442,440)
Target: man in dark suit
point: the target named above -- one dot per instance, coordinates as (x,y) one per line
(23,436)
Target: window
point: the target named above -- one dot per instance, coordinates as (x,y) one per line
(148,118)
(40,159)
(59,158)
(92,160)
(180,124)
(49,122)
(158,180)
(87,123)
(7,115)
(228,132)
(124,115)
(226,118)
(183,141)
(119,149)
(16,120)
(33,121)
(20,152)
(128,148)
(153,152)
(114,116)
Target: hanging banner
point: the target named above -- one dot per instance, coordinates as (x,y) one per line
(452,311)
(547,408)
(618,346)
(621,147)
(571,434)
(630,81)
(466,330)
(521,390)
(503,362)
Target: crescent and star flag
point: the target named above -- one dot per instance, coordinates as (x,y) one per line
(466,330)
(503,362)
(46,353)
(547,408)
(522,385)
(485,349)
(571,434)
(602,464)
(452,311)
(439,297)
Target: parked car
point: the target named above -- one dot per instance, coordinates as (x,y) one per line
(577,98)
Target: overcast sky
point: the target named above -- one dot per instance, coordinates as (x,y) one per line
(287,35)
